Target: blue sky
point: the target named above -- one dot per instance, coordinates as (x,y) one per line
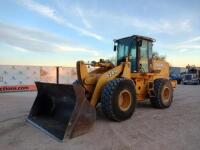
(60,32)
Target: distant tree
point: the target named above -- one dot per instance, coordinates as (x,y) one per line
(156,56)
(190,66)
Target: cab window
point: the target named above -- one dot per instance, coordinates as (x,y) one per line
(144,59)
(123,50)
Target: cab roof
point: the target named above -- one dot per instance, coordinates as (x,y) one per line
(138,37)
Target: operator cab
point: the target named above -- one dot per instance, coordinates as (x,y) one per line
(139,51)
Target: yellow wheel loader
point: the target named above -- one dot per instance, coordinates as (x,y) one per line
(70,110)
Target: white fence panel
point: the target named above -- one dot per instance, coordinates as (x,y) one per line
(22,78)
(67,75)
(48,74)
(19,75)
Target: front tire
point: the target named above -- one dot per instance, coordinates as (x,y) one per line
(163,93)
(118,99)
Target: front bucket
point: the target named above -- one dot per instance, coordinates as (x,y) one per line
(62,110)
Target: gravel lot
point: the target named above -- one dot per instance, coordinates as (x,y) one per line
(176,128)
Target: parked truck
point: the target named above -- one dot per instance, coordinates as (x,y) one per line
(192,76)
(177,73)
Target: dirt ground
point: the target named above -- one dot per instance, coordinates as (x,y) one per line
(176,128)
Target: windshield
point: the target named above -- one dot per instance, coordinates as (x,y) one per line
(123,48)
(188,77)
(127,47)
(192,71)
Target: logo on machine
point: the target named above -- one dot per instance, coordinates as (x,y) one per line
(111,73)
(159,65)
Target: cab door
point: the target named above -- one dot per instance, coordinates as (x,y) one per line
(145,56)
(133,57)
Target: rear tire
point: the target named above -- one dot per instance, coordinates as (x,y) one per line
(163,93)
(118,99)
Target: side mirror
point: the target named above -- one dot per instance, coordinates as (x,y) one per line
(115,48)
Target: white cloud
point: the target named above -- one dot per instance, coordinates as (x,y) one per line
(161,25)
(194,39)
(190,45)
(65,48)
(51,14)
(83,18)
(188,48)
(158,26)
(24,40)
(183,50)
(181,47)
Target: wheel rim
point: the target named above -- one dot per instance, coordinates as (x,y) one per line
(124,100)
(165,95)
